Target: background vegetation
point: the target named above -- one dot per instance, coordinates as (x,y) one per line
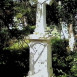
(14,57)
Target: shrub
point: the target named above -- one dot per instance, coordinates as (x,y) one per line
(26,30)
(74,65)
(61,58)
(18,45)
(4,37)
(14,63)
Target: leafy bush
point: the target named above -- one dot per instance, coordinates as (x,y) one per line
(4,37)
(18,45)
(74,65)
(27,30)
(19,15)
(61,58)
(14,63)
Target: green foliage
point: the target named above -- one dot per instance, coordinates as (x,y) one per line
(64,12)
(74,65)
(4,37)
(6,11)
(19,8)
(14,63)
(18,33)
(19,45)
(67,10)
(26,10)
(55,33)
(61,58)
(19,15)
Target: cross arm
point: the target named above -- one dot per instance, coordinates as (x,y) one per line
(33,2)
(49,2)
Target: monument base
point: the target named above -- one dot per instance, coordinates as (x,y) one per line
(40,56)
(42,73)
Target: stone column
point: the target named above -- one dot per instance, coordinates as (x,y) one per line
(41,18)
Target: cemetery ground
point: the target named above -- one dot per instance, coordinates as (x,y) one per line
(14,59)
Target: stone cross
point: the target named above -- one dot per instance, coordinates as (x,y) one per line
(40,48)
(41,16)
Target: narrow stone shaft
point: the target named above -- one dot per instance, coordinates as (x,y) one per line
(41,18)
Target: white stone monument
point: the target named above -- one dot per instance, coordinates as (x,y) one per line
(71,38)
(40,47)
(64,32)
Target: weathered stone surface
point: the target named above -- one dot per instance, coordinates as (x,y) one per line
(40,48)
(40,58)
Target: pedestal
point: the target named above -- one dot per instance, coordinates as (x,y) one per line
(40,58)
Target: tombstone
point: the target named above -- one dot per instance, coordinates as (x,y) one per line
(64,32)
(71,38)
(40,47)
